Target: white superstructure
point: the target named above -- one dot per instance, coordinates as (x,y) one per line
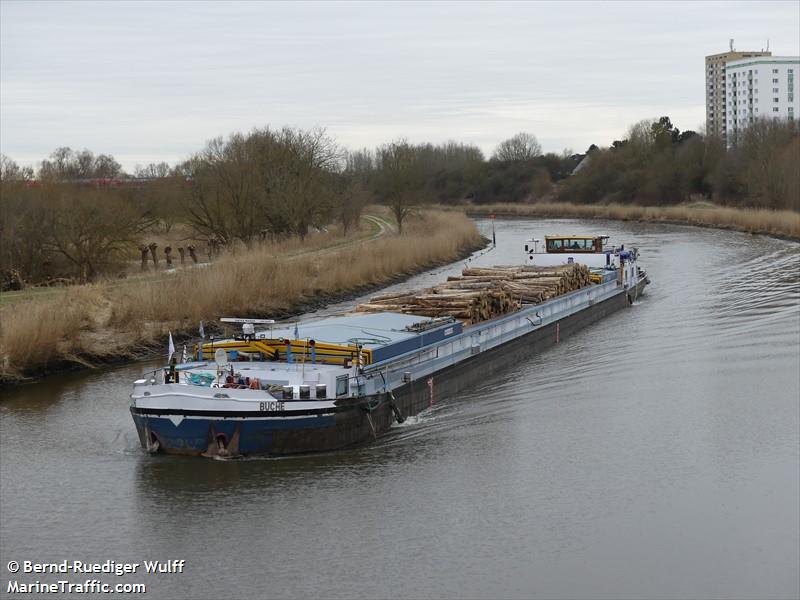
(592,251)
(763,87)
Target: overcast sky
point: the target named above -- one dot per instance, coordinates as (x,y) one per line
(151,82)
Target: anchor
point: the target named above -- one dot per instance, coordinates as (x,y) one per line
(219,446)
(152,441)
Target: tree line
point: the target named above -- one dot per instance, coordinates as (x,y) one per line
(657,164)
(79,215)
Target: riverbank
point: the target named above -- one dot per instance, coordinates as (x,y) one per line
(783,224)
(84,326)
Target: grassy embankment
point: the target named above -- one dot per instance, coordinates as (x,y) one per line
(778,223)
(372,226)
(109,322)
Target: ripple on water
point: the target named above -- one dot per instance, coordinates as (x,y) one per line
(654,439)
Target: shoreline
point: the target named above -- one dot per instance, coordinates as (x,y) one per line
(151,350)
(149,340)
(778,224)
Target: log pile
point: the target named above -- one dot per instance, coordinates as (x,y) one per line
(482,293)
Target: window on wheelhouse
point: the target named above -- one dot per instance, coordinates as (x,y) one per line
(574,244)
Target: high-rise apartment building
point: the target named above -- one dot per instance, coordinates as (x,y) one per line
(716,88)
(761,87)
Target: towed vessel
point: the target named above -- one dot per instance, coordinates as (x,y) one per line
(330,383)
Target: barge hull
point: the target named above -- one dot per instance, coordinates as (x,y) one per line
(419,395)
(363,419)
(264,436)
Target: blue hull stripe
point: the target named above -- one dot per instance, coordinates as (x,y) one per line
(255,436)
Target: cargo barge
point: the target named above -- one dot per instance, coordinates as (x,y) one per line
(332,383)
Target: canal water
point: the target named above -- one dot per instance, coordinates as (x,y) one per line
(653,455)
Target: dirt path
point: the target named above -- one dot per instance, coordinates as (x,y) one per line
(380,227)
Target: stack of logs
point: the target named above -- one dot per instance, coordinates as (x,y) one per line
(482,293)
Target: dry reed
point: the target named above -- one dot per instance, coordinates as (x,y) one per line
(780,223)
(102,322)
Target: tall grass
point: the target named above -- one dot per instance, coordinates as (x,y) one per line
(782,223)
(104,321)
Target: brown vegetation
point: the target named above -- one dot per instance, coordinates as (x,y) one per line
(83,219)
(100,322)
(779,223)
(249,201)
(658,165)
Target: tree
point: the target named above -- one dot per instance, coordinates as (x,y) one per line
(523,146)
(351,196)
(353,187)
(89,228)
(66,164)
(399,179)
(311,161)
(766,153)
(641,137)
(152,171)
(163,200)
(664,132)
(267,181)
(541,184)
(10,171)
(21,215)
(224,198)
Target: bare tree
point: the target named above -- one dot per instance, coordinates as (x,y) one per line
(541,184)
(153,247)
(224,199)
(152,171)
(145,251)
(523,146)
(164,199)
(641,136)
(310,161)
(264,182)
(360,162)
(22,211)
(10,171)
(767,153)
(353,187)
(352,196)
(66,164)
(399,180)
(89,228)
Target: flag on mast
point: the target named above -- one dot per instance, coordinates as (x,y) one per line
(170,348)
(296,332)
(184,356)
(202,331)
